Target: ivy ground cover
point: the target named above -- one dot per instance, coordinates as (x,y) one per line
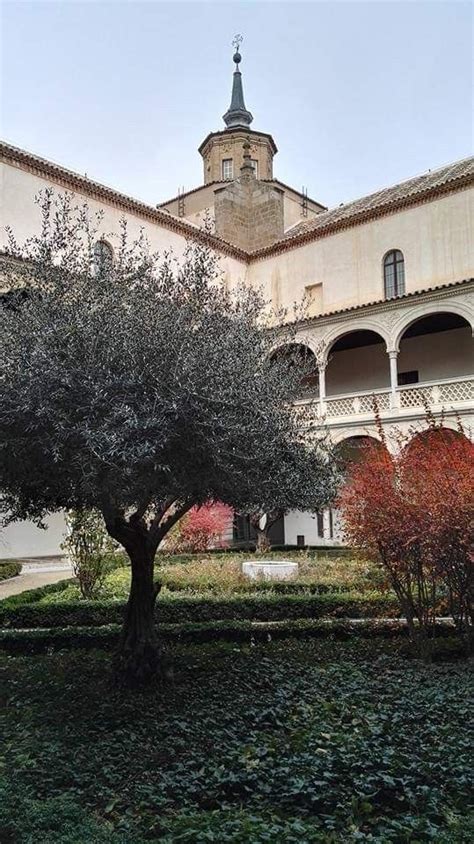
(285,742)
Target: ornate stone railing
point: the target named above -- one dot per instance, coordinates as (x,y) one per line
(357,403)
(444,394)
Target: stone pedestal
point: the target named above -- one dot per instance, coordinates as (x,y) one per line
(269,570)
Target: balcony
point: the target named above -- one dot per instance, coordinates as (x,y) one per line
(441,395)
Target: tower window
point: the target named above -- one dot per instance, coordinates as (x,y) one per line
(227,169)
(394,274)
(254,164)
(103,255)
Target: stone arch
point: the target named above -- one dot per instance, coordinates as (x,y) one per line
(357,361)
(351,448)
(448,429)
(338,436)
(331,338)
(304,354)
(408,318)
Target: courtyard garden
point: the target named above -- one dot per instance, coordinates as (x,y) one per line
(309,741)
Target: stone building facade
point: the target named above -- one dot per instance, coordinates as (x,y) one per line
(388,282)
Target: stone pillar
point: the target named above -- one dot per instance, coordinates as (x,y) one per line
(326,524)
(322,387)
(394,399)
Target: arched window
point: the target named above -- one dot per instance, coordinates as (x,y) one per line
(103,255)
(394,274)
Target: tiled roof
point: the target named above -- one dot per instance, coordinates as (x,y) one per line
(75,181)
(428,186)
(223,182)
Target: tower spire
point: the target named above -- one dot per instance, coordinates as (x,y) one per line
(237,116)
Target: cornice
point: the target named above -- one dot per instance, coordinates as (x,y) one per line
(75,182)
(362,217)
(431,294)
(224,133)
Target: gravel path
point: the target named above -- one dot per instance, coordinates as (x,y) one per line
(36,572)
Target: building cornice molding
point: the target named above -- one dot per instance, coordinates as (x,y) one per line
(75,182)
(362,217)
(223,134)
(431,294)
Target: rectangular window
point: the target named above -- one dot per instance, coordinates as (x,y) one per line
(300,540)
(408,377)
(227,169)
(254,164)
(320,523)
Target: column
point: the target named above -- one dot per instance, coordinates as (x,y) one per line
(322,388)
(393,379)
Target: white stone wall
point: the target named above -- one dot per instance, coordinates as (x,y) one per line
(24,539)
(436,238)
(19,187)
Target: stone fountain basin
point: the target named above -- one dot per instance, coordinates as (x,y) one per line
(277,570)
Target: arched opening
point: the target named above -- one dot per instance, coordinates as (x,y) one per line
(435,347)
(431,437)
(358,362)
(352,449)
(303,359)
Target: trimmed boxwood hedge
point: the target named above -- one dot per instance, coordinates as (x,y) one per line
(9,568)
(105,637)
(260,607)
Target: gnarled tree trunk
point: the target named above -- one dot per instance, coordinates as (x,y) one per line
(138,657)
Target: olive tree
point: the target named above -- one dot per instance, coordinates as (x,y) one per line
(137,386)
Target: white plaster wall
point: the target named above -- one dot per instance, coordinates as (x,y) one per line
(446,354)
(436,239)
(354,370)
(18,210)
(306,524)
(24,539)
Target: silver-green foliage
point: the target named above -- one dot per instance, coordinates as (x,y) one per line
(138,388)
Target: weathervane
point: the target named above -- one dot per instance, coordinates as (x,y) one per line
(237,42)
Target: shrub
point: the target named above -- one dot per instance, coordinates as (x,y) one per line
(9,568)
(203,527)
(192,608)
(105,637)
(412,512)
(89,548)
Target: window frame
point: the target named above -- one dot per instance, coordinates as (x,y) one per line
(227,161)
(394,260)
(103,255)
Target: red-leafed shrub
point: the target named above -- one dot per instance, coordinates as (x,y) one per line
(412,512)
(204,527)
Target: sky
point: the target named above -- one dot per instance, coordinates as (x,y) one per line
(357,95)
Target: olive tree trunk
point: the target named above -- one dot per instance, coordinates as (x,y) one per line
(138,656)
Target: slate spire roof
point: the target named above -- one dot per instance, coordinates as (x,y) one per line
(237,116)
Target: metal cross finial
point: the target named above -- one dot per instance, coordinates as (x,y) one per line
(237,42)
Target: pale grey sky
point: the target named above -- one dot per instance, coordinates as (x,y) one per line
(357,95)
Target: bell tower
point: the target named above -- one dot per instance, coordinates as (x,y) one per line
(222,152)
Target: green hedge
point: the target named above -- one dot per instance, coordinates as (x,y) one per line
(9,568)
(194,609)
(106,637)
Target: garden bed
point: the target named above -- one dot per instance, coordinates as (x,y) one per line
(314,741)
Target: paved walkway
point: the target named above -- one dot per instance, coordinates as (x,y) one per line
(36,571)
